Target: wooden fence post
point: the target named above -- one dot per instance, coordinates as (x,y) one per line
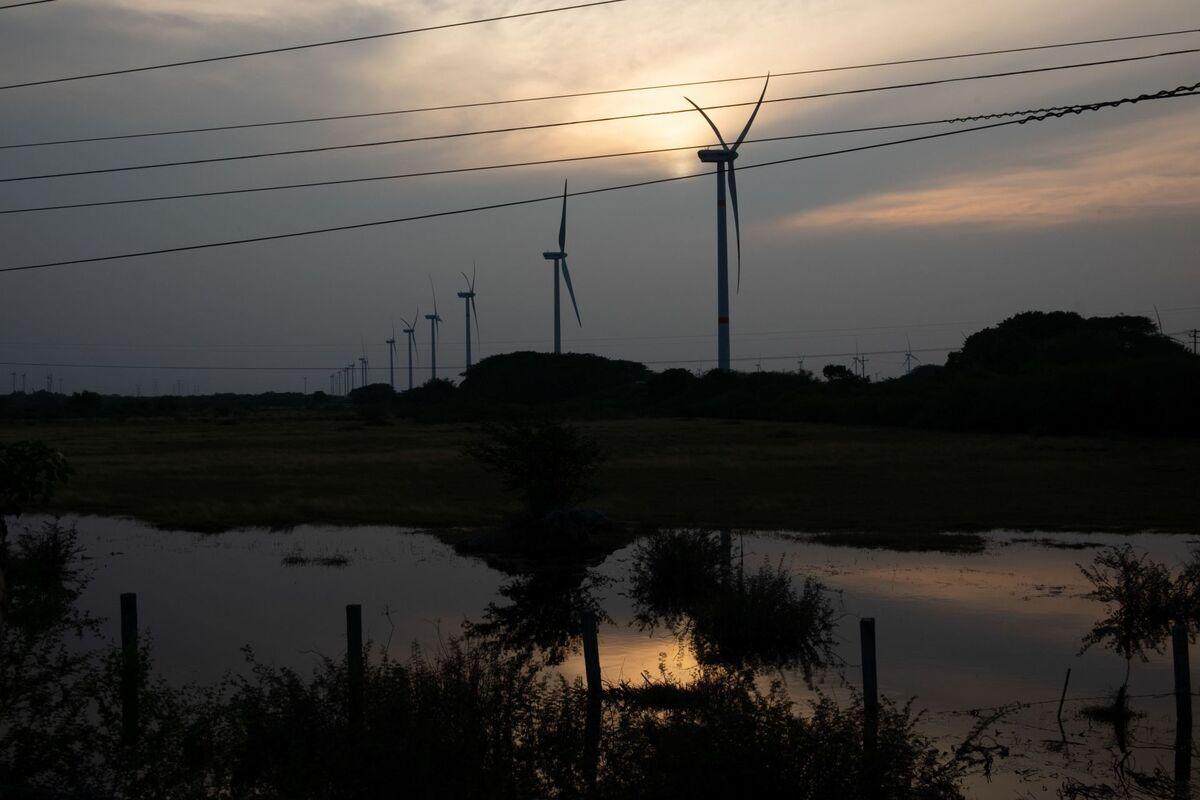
(130,669)
(1183,711)
(870,677)
(591,668)
(354,668)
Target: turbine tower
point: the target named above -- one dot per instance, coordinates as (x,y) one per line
(724,159)
(560,265)
(410,330)
(391,345)
(468,298)
(434,321)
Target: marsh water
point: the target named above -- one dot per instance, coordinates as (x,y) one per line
(956,632)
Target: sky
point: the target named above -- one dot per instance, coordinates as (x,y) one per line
(915,245)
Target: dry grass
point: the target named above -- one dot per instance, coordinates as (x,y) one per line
(279,470)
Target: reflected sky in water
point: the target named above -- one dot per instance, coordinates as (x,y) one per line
(954,631)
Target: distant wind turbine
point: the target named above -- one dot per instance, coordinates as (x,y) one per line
(363,361)
(909,358)
(560,265)
(434,321)
(468,298)
(726,156)
(860,362)
(410,330)
(391,345)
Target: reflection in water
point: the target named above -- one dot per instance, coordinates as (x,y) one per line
(957,632)
(685,581)
(544,614)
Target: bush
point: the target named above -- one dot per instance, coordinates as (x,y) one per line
(548,463)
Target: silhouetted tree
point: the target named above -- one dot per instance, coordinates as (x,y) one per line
(30,472)
(548,463)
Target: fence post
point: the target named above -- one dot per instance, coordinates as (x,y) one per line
(591,668)
(130,669)
(870,676)
(1183,711)
(354,667)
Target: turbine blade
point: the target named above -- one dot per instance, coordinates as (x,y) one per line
(468,280)
(571,291)
(434,290)
(475,313)
(474,270)
(737,223)
(562,226)
(711,124)
(753,114)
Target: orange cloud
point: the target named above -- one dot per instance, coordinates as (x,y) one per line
(1140,170)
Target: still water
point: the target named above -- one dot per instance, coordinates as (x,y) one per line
(955,632)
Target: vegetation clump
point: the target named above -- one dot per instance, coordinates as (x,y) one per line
(548,464)
(685,581)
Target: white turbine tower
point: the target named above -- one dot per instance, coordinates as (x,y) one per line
(468,298)
(723,157)
(560,265)
(434,321)
(410,331)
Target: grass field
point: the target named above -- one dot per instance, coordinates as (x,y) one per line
(278,470)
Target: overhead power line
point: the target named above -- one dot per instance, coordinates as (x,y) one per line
(511,165)
(26,3)
(331,368)
(1181,91)
(308,46)
(595,93)
(614,118)
(874,330)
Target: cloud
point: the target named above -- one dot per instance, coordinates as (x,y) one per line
(1141,170)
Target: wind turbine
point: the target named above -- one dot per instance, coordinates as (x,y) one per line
(410,330)
(391,344)
(860,362)
(560,265)
(726,156)
(363,361)
(468,298)
(434,321)
(909,358)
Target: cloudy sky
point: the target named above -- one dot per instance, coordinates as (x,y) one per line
(920,242)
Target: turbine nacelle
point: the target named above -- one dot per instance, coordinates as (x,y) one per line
(717,156)
(466,295)
(433,318)
(554,256)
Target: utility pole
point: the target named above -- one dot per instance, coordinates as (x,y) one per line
(14,380)
(22,383)
(306,384)
(1195,334)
